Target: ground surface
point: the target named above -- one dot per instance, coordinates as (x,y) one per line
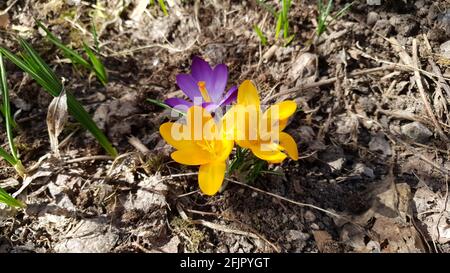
(372,155)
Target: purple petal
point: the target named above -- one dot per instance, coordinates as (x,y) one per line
(219,82)
(178,104)
(230,96)
(209,106)
(201,70)
(188,85)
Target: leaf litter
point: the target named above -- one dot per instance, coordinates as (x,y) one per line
(389,197)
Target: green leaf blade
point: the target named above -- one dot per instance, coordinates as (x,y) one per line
(70,53)
(97,66)
(163,7)
(163,105)
(9,200)
(261,35)
(35,66)
(82,116)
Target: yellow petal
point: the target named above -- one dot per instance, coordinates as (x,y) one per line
(289,145)
(244,143)
(229,122)
(282,124)
(172,133)
(248,94)
(280,111)
(192,156)
(224,149)
(269,154)
(241,123)
(200,124)
(210,177)
(286,108)
(279,125)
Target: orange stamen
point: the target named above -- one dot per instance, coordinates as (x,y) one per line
(203,91)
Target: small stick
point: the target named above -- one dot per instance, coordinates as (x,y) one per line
(89,158)
(237,221)
(8,8)
(187,194)
(285,199)
(402,114)
(440,81)
(422,92)
(224,228)
(164,178)
(330,81)
(138,145)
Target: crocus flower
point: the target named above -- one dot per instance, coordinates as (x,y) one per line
(200,142)
(205,86)
(260,132)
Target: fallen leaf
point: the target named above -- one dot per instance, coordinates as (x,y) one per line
(325,242)
(4,20)
(56,119)
(94,235)
(304,68)
(140,6)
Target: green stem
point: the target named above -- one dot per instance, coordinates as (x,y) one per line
(162,104)
(13,122)
(20,169)
(7,108)
(7,157)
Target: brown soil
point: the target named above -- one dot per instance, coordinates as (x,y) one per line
(372,156)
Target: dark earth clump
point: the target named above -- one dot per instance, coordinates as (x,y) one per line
(364,182)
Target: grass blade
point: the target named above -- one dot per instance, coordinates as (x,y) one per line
(40,66)
(78,111)
(95,35)
(260,35)
(7,109)
(70,53)
(285,11)
(285,29)
(12,158)
(328,9)
(6,156)
(279,25)
(324,12)
(13,122)
(162,104)
(163,7)
(97,66)
(343,11)
(267,7)
(289,40)
(9,200)
(75,108)
(22,64)
(33,64)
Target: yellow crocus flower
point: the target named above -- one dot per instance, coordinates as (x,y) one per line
(200,142)
(260,132)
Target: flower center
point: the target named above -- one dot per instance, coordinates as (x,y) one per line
(203,91)
(208,146)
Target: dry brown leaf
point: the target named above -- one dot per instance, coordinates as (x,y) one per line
(140,6)
(325,242)
(4,20)
(305,68)
(56,119)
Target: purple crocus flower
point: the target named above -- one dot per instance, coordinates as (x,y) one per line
(204,86)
